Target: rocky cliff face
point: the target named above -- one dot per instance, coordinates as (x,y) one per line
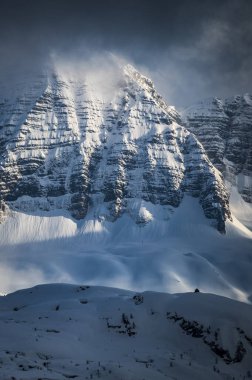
(224,127)
(63,147)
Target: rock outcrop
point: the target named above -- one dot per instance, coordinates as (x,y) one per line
(224,127)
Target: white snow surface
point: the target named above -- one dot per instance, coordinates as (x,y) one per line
(174,250)
(61,331)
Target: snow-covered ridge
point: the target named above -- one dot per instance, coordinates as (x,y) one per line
(77,332)
(69,149)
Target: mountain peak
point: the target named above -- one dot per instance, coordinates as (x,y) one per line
(134,74)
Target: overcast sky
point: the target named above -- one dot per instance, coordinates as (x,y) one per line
(192,49)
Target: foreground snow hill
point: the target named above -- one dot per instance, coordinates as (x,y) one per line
(61,331)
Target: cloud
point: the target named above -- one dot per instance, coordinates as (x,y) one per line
(218,62)
(191,49)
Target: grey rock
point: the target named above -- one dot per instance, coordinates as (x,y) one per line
(224,127)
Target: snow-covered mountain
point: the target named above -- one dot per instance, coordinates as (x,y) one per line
(62,147)
(81,332)
(110,188)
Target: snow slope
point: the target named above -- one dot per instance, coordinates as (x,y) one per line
(175,252)
(78,332)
